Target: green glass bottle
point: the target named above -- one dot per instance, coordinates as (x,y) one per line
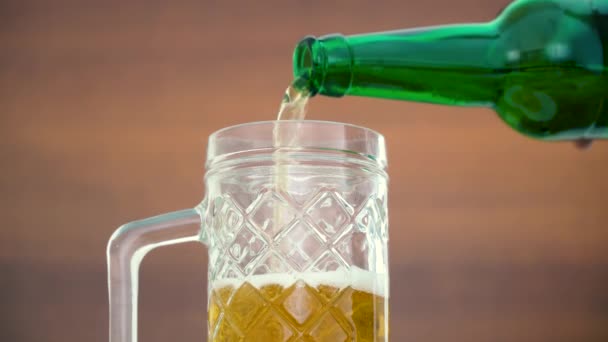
(542,65)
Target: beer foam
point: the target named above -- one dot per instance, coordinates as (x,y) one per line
(354,277)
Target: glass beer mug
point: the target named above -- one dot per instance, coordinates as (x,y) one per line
(296,231)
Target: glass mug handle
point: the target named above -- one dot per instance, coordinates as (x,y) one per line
(126,249)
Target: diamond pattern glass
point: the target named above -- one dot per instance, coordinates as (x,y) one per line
(246,247)
(328,329)
(271,214)
(286,263)
(300,245)
(329,213)
(310,267)
(301,304)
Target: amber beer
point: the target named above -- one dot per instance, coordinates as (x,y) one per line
(328,306)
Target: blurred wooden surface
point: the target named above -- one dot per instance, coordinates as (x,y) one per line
(105,107)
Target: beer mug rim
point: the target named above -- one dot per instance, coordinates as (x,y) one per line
(313,136)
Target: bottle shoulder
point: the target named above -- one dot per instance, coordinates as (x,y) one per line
(552,33)
(572,7)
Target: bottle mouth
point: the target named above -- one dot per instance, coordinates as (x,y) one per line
(323,65)
(305,68)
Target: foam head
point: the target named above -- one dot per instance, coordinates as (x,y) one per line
(354,277)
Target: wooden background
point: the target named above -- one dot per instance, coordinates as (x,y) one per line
(105,107)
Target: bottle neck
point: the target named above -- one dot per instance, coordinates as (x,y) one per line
(446,65)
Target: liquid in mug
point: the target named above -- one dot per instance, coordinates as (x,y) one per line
(324,307)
